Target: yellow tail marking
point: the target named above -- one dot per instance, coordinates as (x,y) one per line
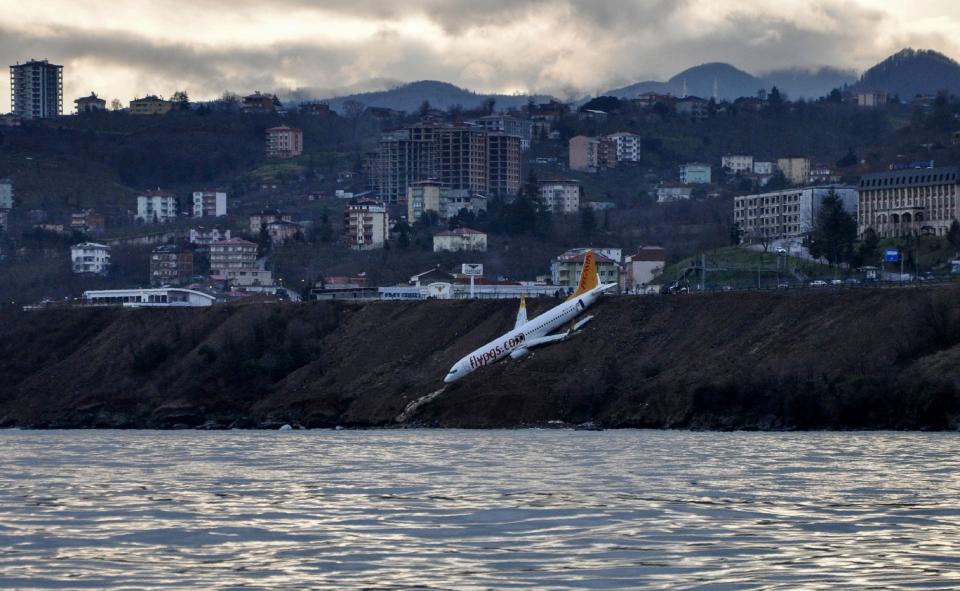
(588,275)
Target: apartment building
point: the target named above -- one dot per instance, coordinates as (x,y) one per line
(673,192)
(156,207)
(36,90)
(591,154)
(171,264)
(367,225)
(87,221)
(508,125)
(284,142)
(260,220)
(565,269)
(445,202)
(460,239)
(796,170)
(789,213)
(560,196)
(90,258)
(235,261)
(909,202)
(737,163)
(627,146)
(209,203)
(459,157)
(150,105)
(763,168)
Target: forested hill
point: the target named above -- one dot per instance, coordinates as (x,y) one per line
(912,72)
(440,95)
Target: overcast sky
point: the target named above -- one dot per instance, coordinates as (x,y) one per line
(123,49)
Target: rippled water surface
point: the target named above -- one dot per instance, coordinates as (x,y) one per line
(479,510)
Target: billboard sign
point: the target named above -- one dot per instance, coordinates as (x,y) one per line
(891,255)
(472,269)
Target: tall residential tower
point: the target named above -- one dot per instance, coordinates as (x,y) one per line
(36,90)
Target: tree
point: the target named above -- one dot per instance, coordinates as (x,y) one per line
(736,234)
(180,100)
(834,231)
(849,160)
(116,105)
(424,109)
(953,234)
(775,100)
(488,106)
(869,248)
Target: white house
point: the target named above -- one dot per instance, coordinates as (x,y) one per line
(763,167)
(628,146)
(644,266)
(209,203)
(206,236)
(459,239)
(156,207)
(90,257)
(737,163)
(669,193)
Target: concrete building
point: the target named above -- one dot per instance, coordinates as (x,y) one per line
(259,220)
(171,297)
(560,196)
(763,168)
(209,202)
(643,267)
(447,203)
(235,261)
(503,164)
(458,156)
(6,194)
(90,258)
(627,146)
(786,214)
(693,107)
(796,170)
(366,225)
(259,103)
(204,237)
(591,154)
(90,104)
(460,239)
(909,202)
(871,98)
(171,264)
(281,231)
(87,221)
(156,207)
(565,269)
(508,125)
(150,105)
(673,192)
(284,142)
(36,90)
(695,173)
(737,163)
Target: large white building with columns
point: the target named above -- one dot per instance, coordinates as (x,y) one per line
(909,202)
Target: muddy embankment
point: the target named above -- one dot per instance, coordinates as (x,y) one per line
(817,359)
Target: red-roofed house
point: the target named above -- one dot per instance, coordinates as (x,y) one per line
(459,239)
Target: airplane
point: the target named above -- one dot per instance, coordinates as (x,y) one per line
(527,334)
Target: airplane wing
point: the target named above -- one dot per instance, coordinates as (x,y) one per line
(545,340)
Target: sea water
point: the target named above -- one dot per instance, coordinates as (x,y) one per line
(424,509)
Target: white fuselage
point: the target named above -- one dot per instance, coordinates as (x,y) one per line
(521,337)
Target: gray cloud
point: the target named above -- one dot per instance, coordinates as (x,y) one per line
(492,45)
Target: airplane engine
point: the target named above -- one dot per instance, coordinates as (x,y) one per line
(518,354)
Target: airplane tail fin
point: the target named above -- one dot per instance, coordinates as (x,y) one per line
(521,313)
(589,278)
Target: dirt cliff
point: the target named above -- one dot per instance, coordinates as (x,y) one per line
(816,359)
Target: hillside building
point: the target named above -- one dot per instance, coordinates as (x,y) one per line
(592,154)
(150,105)
(156,207)
(235,261)
(796,170)
(460,239)
(627,146)
(259,103)
(503,164)
(204,237)
(366,225)
(281,231)
(447,203)
(171,264)
(909,202)
(507,125)
(786,214)
(87,221)
(673,192)
(6,194)
(259,220)
(560,196)
(565,269)
(90,104)
(871,98)
(737,163)
(90,258)
(36,90)
(284,142)
(695,173)
(763,168)
(209,203)
(643,267)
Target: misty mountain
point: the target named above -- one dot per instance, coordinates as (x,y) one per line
(911,72)
(440,95)
(732,83)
